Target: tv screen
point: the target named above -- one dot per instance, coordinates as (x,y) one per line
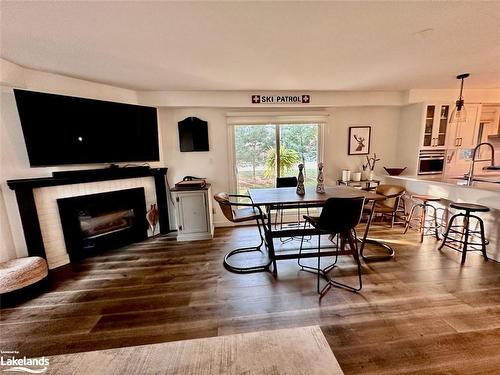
(62,129)
(193,134)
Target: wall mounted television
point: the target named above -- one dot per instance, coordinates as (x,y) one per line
(61,129)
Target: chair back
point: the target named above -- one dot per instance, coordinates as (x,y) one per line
(339,215)
(284,182)
(393,192)
(225,205)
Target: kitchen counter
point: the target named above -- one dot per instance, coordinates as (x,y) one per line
(454,190)
(456,182)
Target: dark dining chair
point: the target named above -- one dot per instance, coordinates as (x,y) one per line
(286,182)
(338,217)
(238,212)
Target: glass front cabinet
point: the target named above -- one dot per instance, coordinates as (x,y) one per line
(436,124)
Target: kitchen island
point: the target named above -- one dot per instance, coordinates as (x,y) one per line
(455,190)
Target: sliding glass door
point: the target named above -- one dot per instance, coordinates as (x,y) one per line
(265,152)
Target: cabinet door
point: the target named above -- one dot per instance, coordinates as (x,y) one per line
(429,126)
(464,136)
(192,212)
(441,126)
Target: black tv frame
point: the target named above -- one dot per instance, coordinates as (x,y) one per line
(96,151)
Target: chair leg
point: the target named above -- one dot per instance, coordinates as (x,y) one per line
(466,239)
(260,234)
(319,262)
(353,245)
(422,223)
(300,248)
(410,218)
(483,239)
(450,223)
(435,221)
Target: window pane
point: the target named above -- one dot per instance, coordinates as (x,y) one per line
(254,151)
(299,144)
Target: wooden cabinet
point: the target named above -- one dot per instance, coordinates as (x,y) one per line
(436,125)
(193,213)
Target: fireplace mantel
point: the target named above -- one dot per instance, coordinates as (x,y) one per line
(28,211)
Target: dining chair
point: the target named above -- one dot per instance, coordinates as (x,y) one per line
(286,182)
(238,212)
(390,206)
(338,217)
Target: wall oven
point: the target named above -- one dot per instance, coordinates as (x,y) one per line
(431,162)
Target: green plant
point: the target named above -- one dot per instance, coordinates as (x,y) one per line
(288,158)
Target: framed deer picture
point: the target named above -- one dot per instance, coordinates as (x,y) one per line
(359,140)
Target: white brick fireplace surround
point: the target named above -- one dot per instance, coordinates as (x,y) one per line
(48,212)
(37,202)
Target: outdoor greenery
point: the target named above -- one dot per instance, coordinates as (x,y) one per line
(288,159)
(255,147)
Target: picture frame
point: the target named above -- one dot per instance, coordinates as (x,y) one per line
(359,140)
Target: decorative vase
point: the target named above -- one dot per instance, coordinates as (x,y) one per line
(300,181)
(356,176)
(152,217)
(320,187)
(370,175)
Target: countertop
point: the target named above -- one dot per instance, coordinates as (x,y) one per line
(457,182)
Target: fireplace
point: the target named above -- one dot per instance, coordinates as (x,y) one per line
(97,222)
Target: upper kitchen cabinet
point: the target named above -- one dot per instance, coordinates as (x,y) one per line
(436,126)
(465,135)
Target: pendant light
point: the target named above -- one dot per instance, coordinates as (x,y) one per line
(459,114)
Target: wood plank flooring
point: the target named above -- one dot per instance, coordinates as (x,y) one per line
(420,313)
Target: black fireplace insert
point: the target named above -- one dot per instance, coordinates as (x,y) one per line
(97,222)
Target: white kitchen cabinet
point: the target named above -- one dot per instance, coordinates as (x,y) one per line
(466,135)
(193,213)
(435,126)
(461,142)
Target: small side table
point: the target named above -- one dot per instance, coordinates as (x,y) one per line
(363,184)
(193,208)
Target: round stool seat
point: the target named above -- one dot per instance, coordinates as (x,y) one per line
(425,198)
(18,273)
(469,207)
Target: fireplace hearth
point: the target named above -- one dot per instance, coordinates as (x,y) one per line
(97,222)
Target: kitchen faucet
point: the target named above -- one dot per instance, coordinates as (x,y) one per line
(470,176)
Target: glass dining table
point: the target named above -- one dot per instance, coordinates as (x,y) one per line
(283,198)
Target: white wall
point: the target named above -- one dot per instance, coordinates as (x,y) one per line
(409,136)
(384,122)
(14,161)
(214,164)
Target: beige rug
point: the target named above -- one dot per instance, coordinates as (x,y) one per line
(286,351)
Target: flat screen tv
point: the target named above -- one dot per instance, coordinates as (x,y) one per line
(62,129)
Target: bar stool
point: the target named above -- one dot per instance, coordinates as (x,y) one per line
(465,231)
(425,199)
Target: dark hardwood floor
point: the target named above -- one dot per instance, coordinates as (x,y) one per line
(420,313)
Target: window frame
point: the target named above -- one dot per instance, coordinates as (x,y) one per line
(277,121)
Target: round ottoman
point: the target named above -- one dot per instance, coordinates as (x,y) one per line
(19,273)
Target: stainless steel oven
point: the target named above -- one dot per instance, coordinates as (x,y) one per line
(431,161)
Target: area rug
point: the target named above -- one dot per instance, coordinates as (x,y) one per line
(286,351)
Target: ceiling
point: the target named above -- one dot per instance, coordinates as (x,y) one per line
(305,45)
